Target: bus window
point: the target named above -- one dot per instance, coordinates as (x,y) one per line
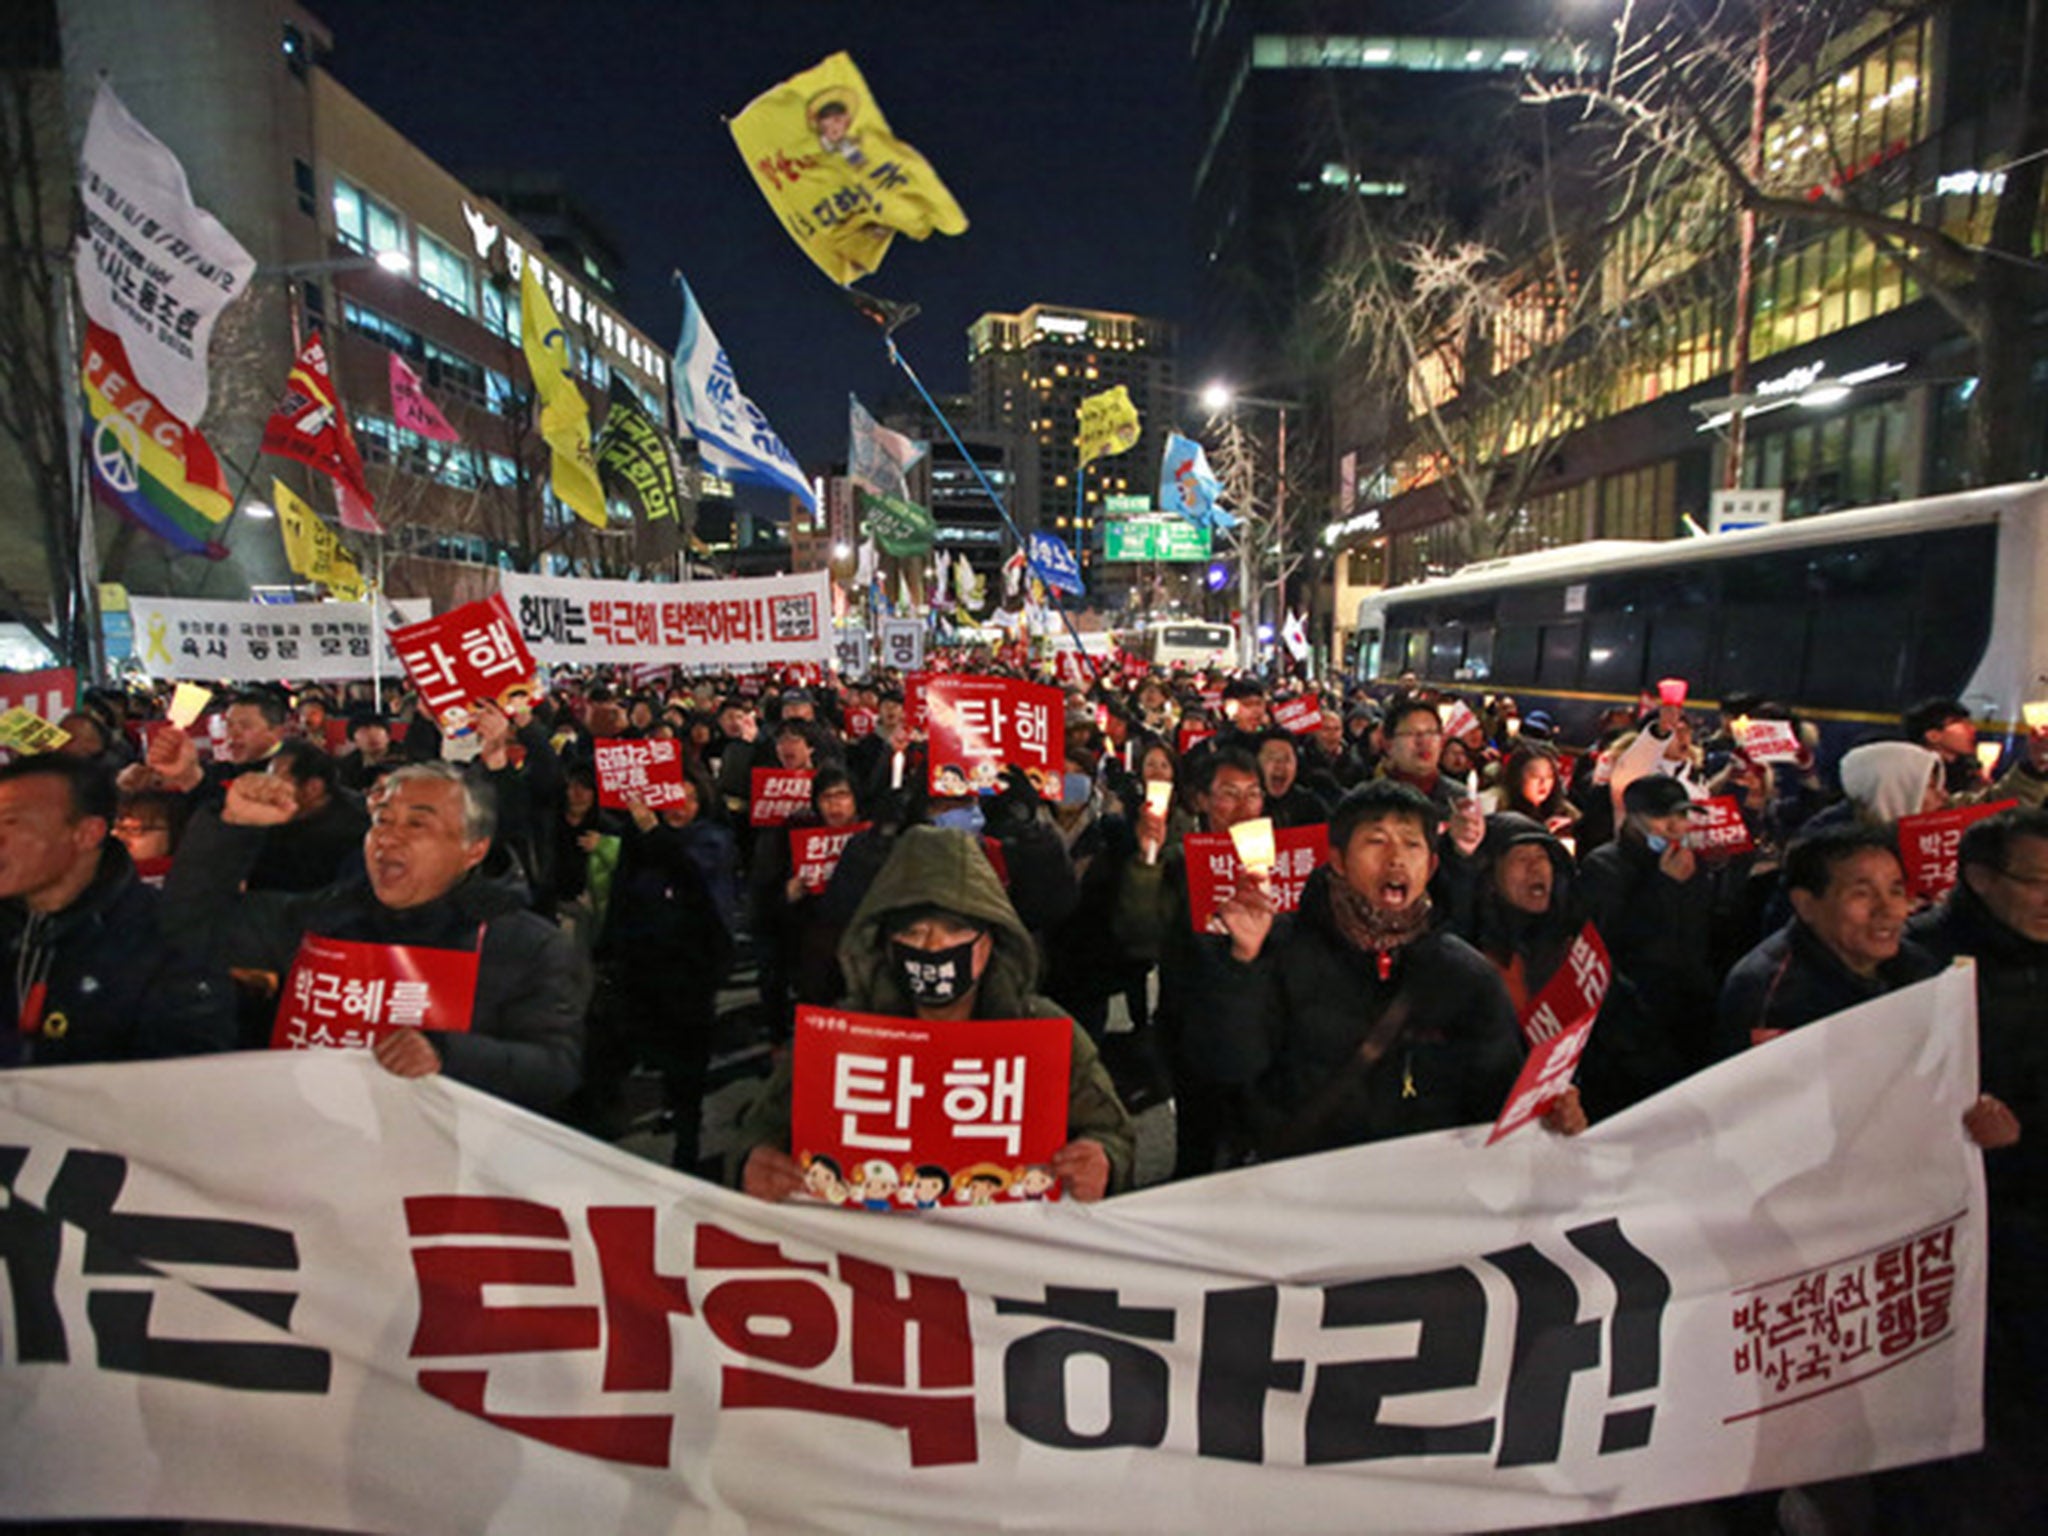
(1479,654)
(1763,650)
(1446,653)
(1678,644)
(1515,648)
(1856,653)
(1614,653)
(1955,611)
(1560,662)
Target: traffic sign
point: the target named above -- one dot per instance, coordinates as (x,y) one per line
(1154,538)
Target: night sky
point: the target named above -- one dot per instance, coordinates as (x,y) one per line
(1065,131)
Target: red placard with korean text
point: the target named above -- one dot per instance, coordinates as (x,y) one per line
(981,725)
(342,995)
(914,685)
(1214,870)
(1927,845)
(1769,741)
(779,794)
(1298,717)
(51,693)
(894,1114)
(650,771)
(859,723)
(1555,1025)
(1189,737)
(1458,718)
(814,852)
(468,653)
(1718,827)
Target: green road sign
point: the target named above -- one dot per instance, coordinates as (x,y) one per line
(1127,506)
(1154,538)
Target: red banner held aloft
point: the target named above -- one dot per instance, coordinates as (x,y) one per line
(981,725)
(779,794)
(310,426)
(469,653)
(51,693)
(1214,870)
(342,995)
(1298,717)
(1556,1025)
(1768,741)
(1927,845)
(814,852)
(859,723)
(892,1114)
(650,771)
(1718,827)
(1189,737)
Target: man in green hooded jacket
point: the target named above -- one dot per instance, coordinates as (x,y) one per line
(937,939)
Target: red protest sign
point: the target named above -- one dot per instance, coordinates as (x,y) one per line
(914,685)
(814,852)
(779,794)
(1190,736)
(1458,718)
(859,723)
(1298,717)
(1214,870)
(649,771)
(894,1114)
(51,693)
(1768,741)
(1718,827)
(1556,1025)
(981,725)
(341,995)
(469,653)
(1927,845)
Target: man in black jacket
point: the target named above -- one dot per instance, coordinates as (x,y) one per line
(430,829)
(89,974)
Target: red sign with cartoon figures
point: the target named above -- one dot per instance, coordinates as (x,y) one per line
(1214,870)
(779,795)
(1298,717)
(1556,1025)
(469,653)
(981,725)
(1927,846)
(650,771)
(342,995)
(814,852)
(1718,827)
(893,1114)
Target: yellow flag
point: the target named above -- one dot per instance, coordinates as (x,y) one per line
(310,547)
(1109,424)
(564,414)
(843,185)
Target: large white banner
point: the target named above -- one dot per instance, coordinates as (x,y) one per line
(294,1288)
(697,625)
(198,640)
(153,267)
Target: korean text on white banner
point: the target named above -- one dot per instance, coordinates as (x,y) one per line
(206,641)
(441,1313)
(745,621)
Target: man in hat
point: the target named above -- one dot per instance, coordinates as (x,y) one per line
(371,756)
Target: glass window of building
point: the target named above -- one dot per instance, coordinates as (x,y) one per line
(444,274)
(362,223)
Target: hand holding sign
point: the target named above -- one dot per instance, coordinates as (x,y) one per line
(174,759)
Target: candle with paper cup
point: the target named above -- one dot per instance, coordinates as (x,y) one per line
(1671,691)
(1988,754)
(2036,715)
(1253,841)
(188,703)
(1158,796)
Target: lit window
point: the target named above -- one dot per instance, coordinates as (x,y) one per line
(362,223)
(444,274)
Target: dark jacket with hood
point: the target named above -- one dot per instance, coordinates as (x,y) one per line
(937,867)
(525,1040)
(1288,1028)
(1792,978)
(1659,933)
(115,985)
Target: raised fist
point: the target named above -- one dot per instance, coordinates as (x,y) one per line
(260,800)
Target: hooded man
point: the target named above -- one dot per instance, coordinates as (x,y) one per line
(936,939)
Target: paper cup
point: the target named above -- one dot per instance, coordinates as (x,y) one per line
(1671,690)
(1158,797)
(1254,843)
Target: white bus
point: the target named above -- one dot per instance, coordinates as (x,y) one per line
(1190,643)
(1849,617)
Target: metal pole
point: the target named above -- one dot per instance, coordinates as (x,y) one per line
(1745,259)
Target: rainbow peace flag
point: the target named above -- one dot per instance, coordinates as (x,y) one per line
(145,464)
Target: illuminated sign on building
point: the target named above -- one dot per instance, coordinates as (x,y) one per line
(571,302)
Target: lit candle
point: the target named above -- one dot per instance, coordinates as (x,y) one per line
(2036,715)
(896,770)
(1254,843)
(1988,754)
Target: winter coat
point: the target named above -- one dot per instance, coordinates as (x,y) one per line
(1792,979)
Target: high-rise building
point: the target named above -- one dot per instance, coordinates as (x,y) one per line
(1031,371)
(967,520)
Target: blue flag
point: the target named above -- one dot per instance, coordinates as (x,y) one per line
(733,433)
(1054,564)
(1188,486)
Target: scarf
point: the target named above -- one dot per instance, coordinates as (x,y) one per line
(1369,930)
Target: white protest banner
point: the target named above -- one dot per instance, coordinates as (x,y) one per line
(1771,1274)
(903,644)
(742,622)
(206,641)
(153,267)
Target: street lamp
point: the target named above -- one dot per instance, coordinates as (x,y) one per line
(1218,397)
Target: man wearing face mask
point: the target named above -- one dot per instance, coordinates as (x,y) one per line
(936,939)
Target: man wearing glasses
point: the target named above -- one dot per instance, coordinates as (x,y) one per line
(1415,745)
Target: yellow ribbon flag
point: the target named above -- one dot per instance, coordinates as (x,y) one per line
(564,413)
(311,548)
(1109,424)
(843,185)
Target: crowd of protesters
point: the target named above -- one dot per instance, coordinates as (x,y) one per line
(1469,845)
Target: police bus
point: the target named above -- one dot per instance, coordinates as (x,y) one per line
(1849,617)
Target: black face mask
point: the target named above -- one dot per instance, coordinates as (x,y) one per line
(934,977)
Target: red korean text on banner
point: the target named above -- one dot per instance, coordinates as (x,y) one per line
(1212,700)
(1459,719)
(1718,827)
(894,1114)
(1190,737)
(1927,845)
(51,693)
(649,771)
(340,995)
(1769,741)
(915,714)
(1214,870)
(469,653)
(1556,1025)
(779,795)
(981,725)
(814,852)
(1298,717)
(860,723)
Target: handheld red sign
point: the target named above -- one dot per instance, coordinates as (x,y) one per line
(1459,719)
(1189,737)
(51,693)
(981,725)
(341,995)
(814,852)
(469,653)
(1299,717)
(779,794)
(1927,845)
(895,1114)
(1555,1026)
(1718,827)
(650,771)
(1768,741)
(1214,870)
(859,723)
